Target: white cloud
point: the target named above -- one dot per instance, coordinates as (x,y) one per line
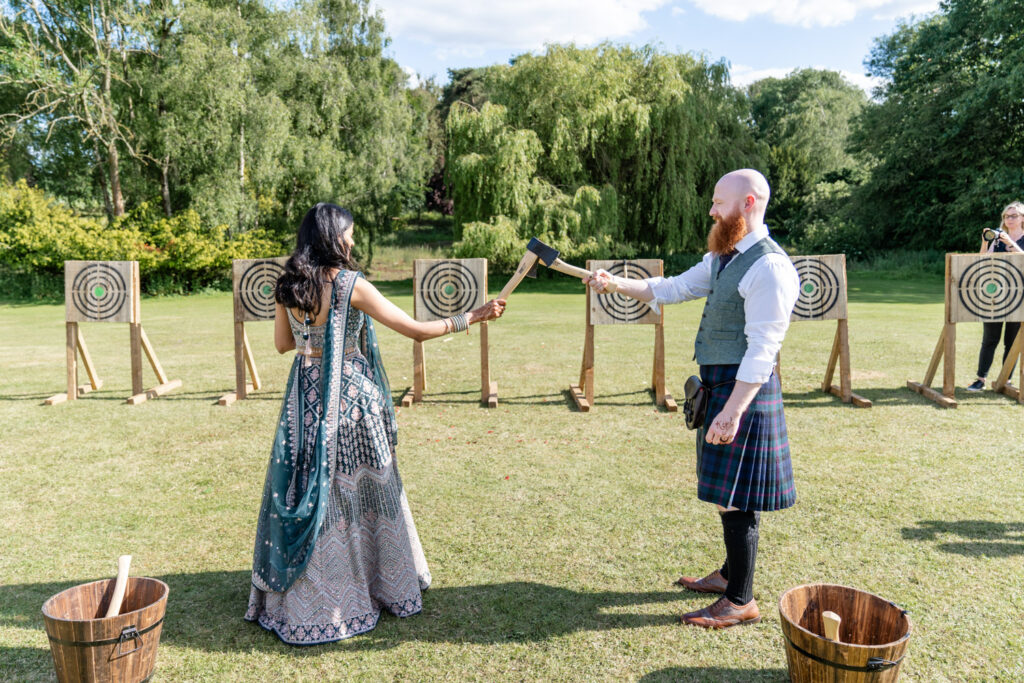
(518,25)
(742,75)
(412,79)
(811,13)
(677,11)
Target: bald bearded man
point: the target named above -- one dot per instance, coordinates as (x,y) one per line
(743,464)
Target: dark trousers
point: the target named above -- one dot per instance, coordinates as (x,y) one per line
(989,342)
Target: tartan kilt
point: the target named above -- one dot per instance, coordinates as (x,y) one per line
(753,472)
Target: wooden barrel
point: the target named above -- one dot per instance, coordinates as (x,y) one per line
(120,649)
(873,635)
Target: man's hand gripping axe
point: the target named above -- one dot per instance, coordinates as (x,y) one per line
(538,251)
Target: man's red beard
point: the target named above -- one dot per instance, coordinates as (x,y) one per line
(725,233)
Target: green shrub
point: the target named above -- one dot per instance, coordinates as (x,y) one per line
(175,255)
(497,241)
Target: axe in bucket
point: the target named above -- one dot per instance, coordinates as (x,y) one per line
(548,255)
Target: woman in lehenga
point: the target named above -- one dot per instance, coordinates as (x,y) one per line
(335,540)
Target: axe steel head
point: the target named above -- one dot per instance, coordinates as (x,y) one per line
(546,254)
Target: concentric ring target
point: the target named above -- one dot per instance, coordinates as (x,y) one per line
(449,288)
(621,308)
(256,288)
(991,289)
(819,289)
(99,291)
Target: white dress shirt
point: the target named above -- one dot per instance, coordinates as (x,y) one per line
(769,289)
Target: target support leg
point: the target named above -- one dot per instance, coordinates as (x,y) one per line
(1001,384)
(583,393)
(661,395)
(924,387)
(419,371)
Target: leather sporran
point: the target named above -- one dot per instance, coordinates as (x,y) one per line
(695,402)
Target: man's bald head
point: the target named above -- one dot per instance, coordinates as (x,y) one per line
(745,191)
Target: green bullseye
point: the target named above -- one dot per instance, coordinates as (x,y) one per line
(266,290)
(99,291)
(809,288)
(992,288)
(449,289)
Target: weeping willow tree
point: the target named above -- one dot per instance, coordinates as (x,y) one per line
(607,151)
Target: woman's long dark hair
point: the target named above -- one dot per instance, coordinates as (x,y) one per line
(318,249)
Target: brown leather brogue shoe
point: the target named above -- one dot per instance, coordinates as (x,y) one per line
(712,583)
(723,614)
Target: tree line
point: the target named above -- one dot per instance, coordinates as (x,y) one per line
(247,112)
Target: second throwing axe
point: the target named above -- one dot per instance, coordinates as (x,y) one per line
(548,255)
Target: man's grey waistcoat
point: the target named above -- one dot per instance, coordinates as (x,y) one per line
(720,339)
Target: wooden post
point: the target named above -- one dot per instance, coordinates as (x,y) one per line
(658,382)
(135,340)
(71,332)
(841,353)
(240,389)
(488,389)
(419,371)
(583,393)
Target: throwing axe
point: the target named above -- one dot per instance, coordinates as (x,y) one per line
(548,255)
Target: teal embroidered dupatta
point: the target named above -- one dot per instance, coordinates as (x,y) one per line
(289,525)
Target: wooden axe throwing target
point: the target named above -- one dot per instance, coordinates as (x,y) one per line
(822,287)
(823,297)
(448,287)
(99,291)
(254,282)
(443,288)
(987,289)
(106,292)
(615,309)
(979,288)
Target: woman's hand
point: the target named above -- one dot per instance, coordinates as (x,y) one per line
(491,310)
(1005,238)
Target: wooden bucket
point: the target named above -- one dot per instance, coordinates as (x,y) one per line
(873,635)
(120,649)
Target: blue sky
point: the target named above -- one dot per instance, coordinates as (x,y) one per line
(758,38)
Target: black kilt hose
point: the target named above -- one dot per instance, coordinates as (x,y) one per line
(753,472)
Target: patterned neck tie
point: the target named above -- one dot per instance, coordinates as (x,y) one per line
(724,259)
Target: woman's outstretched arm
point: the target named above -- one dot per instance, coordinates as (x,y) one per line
(283,339)
(367,299)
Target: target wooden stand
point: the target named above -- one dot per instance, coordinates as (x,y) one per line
(253,283)
(108,292)
(615,309)
(823,297)
(443,288)
(979,288)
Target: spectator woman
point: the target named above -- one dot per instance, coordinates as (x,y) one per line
(1009,238)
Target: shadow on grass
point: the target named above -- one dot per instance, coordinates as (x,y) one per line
(713,674)
(982,538)
(879,397)
(204,612)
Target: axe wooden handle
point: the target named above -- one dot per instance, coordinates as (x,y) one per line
(528,261)
(563,267)
(120,584)
(832,621)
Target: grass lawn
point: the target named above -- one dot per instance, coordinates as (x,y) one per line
(553,536)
